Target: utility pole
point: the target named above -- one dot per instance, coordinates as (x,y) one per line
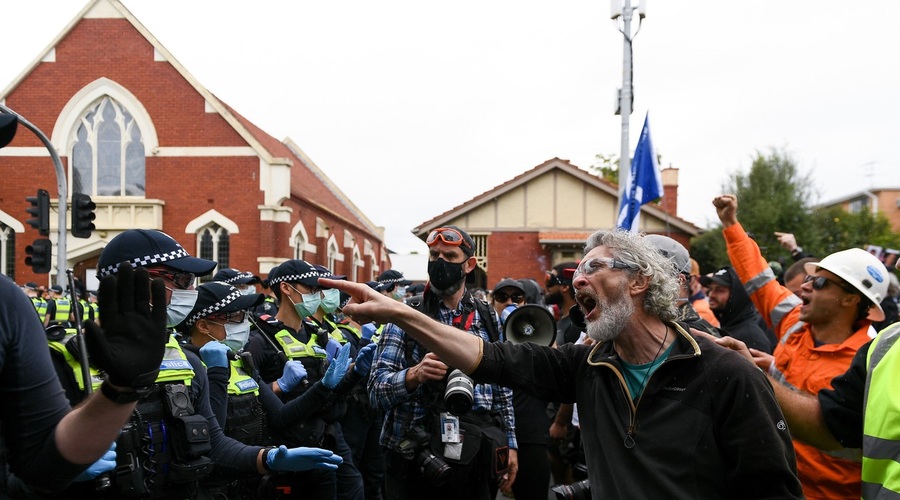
(624,10)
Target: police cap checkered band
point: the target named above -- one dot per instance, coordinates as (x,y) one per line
(147,247)
(144,261)
(295,271)
(213,308)
(215,297)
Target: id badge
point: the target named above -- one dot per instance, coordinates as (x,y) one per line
(449,428)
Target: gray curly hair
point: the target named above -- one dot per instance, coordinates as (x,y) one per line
(628,247)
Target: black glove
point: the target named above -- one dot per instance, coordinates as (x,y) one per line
(130,345)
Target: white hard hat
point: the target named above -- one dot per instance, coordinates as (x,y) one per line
(861,270)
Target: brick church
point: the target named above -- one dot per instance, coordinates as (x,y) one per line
(155,149)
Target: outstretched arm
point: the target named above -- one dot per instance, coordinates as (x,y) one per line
(366,305)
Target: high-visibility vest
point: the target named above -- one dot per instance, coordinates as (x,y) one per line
(75,364)
(40,305)
(881,432)
(294,349)
(63,308)
(239,381)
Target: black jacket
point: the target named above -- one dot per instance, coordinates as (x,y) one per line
(707,426)
(740,319)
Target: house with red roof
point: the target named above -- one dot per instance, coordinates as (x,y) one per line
(542,217)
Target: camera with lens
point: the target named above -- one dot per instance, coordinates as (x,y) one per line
(414,446)
(575,491)
(460,393)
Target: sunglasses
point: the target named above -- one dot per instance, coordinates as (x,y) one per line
(518,298)
(819,282)
(447,235)
(232,317)
(590,267)
(181,279)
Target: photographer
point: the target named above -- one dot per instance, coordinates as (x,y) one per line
(664,413)
(432,453)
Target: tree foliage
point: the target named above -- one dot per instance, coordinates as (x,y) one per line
(774,196)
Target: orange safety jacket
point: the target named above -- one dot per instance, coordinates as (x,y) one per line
(800,364)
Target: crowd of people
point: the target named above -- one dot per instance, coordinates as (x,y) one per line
(625,374)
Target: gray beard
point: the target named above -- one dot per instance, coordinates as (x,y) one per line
(446,292)
(614,315)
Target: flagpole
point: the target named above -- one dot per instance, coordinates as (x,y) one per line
(624,105)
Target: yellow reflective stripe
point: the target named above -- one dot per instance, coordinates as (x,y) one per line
(239,382)
(175,366)
(295,349)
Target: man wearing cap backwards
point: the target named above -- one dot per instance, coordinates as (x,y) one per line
(820,333)
(561,293)
(703,424)
(737,315)
(217,328)
(697,298)
(408,383)
(158,451)
(292,336)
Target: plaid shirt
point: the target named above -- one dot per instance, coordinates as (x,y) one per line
(387,384)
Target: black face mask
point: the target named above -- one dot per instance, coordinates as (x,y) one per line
(443,275)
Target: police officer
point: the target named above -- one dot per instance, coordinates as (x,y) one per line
(218,328)
(173,437)
(59,308)
(290,336)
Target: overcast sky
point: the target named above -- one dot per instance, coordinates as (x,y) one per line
(414,107)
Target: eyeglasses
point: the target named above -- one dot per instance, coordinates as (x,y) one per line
(181,279)
(590,267)
(819,282)
(447,235)
(232,317)
(518,298)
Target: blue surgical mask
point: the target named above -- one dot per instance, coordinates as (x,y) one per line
(181,304)
(309,305)
(250,290)
(331,299)
(237,335)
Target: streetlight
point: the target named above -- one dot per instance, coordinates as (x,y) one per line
(623,10)
(62,189)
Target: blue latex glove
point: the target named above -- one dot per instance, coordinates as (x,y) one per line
(368,330)
(332,348)
(106,463)
(364,359)
(338,368)
(284,459)
(294,372)
(215,354)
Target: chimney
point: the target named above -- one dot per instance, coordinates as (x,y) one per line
(669,201)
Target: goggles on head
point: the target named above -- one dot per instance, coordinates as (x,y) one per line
(447,235)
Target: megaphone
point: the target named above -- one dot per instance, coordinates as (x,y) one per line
(530,323)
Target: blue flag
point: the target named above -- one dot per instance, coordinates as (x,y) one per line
(643,184)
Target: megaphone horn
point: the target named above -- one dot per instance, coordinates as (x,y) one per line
(530,323)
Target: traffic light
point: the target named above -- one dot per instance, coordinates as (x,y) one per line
(39,255)
(8,125)
(40,209)
(82,215)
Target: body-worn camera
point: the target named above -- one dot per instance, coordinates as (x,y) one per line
(575,491)
(414,446)
(460,393)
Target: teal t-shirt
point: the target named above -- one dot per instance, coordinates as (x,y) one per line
(637,375)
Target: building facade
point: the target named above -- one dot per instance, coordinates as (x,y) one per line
(540,218)
(156,150)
